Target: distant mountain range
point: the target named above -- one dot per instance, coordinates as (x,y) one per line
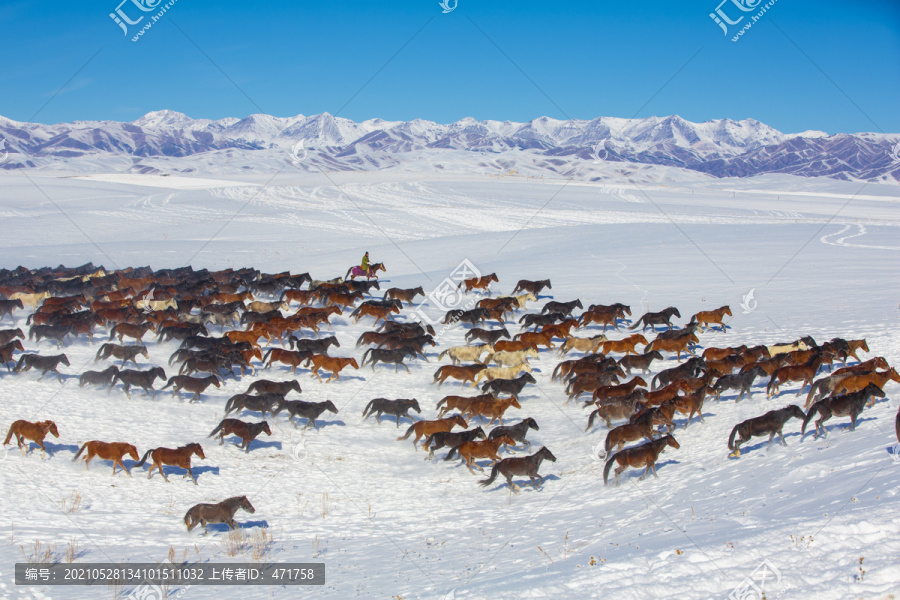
(720,148)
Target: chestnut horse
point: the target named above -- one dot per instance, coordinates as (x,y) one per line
(491,408)
(177,457)
(469,451)
(479,283)
(36,432)
(705,317)
(427,428)
(113,451)
(334,364)
(644,455)
(854,383)
(463,373)
(626,345)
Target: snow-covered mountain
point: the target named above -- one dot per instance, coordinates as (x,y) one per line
(720,148)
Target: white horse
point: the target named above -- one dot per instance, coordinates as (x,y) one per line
(492,373)
(460,354)
(507,358)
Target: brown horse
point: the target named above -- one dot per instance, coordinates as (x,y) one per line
(705,317)
(464,373)
(626,345)
(404,295)
(381,313)
(334,364)
(720,353)
(527,465)
(177,457)
(804,373)
(879,362)
(36,432)
(469,451)
(669,392)
(629,432)
(644,455)
(617,408)
(854,383)
(491,408)
(113,451)
(246,431)
(607,392)
(6,353)
(131,330)
(479,283)
(427,428)
(691,404)
(533,339)
(222,512)
(460,403)
(857,345)
(512,346)
(289,357)
(678,345)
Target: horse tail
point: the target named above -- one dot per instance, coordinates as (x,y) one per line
(188,519)
(408,432)
(170,382)
(636,324)
(734,433)
(609,441)
(77,454)
(555,373)
(437,374)
(368,406)
(813,411)
(814,390)
(144,458)
(217,429)
(654,382)
(356,312)
(649,347)
(9,434)
(453,452)
(441,355)
(606,469)
(266,355)
(350,270)
(897,426)
(366,354)
(359,342)
(440,402)
(590,424)
(494,472)
(28,320)
(19,364)
(112,332)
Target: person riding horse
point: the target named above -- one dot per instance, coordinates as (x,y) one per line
(364,265)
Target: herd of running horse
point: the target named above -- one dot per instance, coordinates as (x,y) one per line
(253,311)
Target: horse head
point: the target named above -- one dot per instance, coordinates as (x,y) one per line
(51,427)
(196,449)
(329,405)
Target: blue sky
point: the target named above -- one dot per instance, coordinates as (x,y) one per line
(829,65)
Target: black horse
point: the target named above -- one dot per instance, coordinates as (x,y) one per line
(772,423)
(395,356)
(535,287)
(316,346)
(44,363)
(141,379)
(452,440)
(398,408)
(306,410)
(104,377)
(738,381)
(565,308)
(509,386)
(489,336)
(124,353)
(267,386)
(517,431)
(527,465)
(846,405)
(651,319)
(262,403)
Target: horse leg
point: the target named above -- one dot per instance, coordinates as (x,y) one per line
(191,473)
(771,437)
(781,437)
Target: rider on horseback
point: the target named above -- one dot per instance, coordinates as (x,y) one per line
(364,265)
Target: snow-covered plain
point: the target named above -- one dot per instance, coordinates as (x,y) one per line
(821,257)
